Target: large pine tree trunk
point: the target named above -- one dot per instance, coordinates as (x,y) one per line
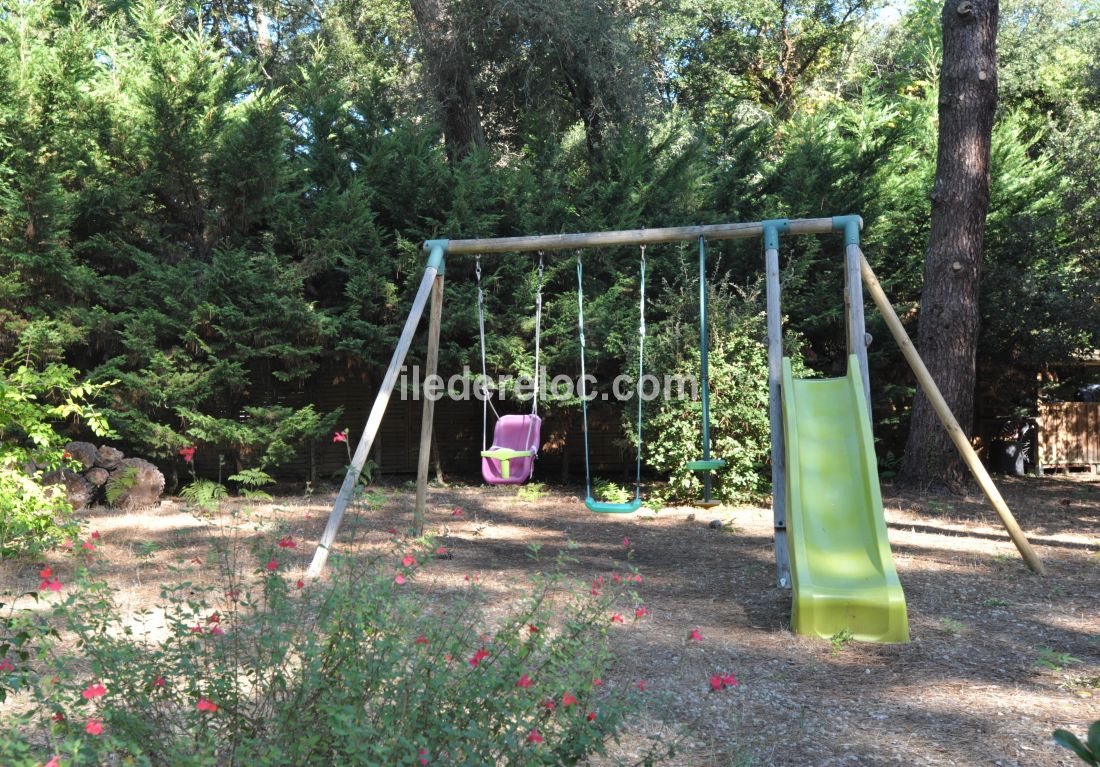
(949,318)
(447,56)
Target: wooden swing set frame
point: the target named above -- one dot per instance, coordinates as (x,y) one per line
(858,273)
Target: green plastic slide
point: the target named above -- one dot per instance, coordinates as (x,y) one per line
(843,575)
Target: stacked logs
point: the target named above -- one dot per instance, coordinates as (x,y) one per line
(104,474)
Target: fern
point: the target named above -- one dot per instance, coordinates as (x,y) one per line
(120,484)
(204,493)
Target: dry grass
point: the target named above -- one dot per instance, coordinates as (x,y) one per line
(969,690)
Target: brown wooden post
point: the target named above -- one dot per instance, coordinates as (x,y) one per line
(428,411)
(374,421)
(947,418)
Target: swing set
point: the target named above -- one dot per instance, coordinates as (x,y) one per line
(831,545)
(511,458)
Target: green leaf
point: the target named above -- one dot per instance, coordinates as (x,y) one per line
(1094,739)
(1067,739)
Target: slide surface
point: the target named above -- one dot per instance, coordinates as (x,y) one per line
(842,572)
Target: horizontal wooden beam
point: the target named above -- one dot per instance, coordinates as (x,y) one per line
(631,237)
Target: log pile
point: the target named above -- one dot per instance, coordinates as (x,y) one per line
(104,475)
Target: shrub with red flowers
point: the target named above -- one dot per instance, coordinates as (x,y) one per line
(382,672)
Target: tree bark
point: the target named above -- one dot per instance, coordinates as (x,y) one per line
(949,318)
(447,57)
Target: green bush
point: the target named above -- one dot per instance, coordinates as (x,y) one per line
(33,399)
(262,669)
(739,423)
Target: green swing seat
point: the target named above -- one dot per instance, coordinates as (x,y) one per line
(707,464)
(603,507)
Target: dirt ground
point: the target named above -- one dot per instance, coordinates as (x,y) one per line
(998,658)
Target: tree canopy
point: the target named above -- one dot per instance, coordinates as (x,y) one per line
(211,202)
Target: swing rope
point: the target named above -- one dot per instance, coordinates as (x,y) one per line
(486,399)
(591,503)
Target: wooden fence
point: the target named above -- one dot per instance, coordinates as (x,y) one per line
(1069,435)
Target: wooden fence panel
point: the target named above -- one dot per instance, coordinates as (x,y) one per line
(1069,434)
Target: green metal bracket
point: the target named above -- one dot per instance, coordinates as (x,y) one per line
(850,225)
(437,250)
(773,227)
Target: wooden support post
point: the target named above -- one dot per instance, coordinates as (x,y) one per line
(775,410)
(428,412)
(857,326)
(958,436)
(374,421)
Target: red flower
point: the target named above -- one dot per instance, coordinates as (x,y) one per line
(159,682)
(94,727)
(591,716)
(57,717)
(718,682)
(597,682)
(421,640)
(273,564)
(287,543)
(548,704)
(641,685)
(616,618)
(196,629)
(423,756)
(205,705)
(479,656)
(626,543)
(66,455)
(616,578)
(568,699)
(641,612)
(524,681)
(5,665)
(94,691)
(441,552)
(95,535)
(46,573)
(595,591)
(448,657)
(457,512)
(533,629)
(392,531)
(695,635)
(340,436)
(408,561)
(88,546)
(214,618)
(217,631)
(188,453)
(399,580)
(299,584)
(534,737)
